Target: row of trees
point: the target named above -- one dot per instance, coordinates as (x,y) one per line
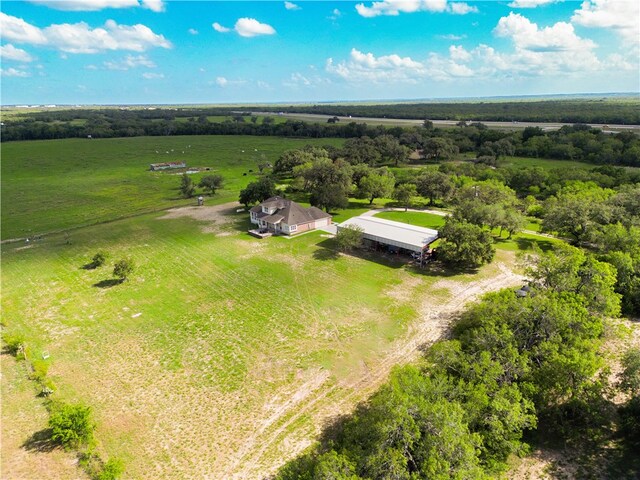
(367,144)
(566,111)
(513,365)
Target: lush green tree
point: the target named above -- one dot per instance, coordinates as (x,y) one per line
(578,210)
(434,185)
(71,425)
(360,170)
(403,194)
(99,259)
(569,269)
(211,183)
(291,159)
(187,187)
(391,150)
(440,148)
(258,191)
(123,268)
(361,150)
(349,237)
(328,182)
(464,244)
(377,184)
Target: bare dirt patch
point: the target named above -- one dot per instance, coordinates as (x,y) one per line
(216,216)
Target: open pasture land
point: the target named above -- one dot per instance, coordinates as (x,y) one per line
(222,355)
(51,185)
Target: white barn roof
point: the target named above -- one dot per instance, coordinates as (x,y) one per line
(403,235)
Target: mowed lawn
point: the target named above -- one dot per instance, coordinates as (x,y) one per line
(59,184)
(518,241)
(190,364)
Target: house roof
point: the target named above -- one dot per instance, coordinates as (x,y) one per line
(289,211)
(389,232)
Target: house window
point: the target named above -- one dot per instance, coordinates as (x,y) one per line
(293,228)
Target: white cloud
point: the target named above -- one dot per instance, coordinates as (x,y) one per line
(222,82)
(246,27)
(336,12)
(152,76)
(395,7)
(622,16)
(451,36)
(367,67)
(459,53)
(461,8)
(193,31)
(81,38)
(9,52)
(291,6)
(297,80)
(250,27)
(13,72)
(16,29)
(91,67)
(219,28)
(154,5)
(95,5)
(530,3)
(130,61)
(526,35)
(263,85)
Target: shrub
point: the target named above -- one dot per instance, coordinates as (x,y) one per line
(349,237)
(71,425)
(40,369)
(123,268)
(99,259)
(14,343)
(111,470)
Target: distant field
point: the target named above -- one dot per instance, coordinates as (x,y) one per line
(58,184)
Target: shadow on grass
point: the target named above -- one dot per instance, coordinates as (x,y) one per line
(108,283)
(437,269)
(40,442)
(527,244)
(89,266)
(328,250)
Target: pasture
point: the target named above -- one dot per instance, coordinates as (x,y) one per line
(222,354)
(52,185)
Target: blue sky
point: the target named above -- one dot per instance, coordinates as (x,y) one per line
(157,51)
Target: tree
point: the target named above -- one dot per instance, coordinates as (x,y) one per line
(99,259)
(328,182)
(434,185)
(361,150)
(378,184)
(71,425)
(464,244)
(390,149)
(291,159)
(440,148)
(567,269)
(403,194)
(211,183)
(258,191)
(187,187)
(123,268)
(349,237)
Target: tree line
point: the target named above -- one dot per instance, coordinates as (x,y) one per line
(577,142)
(620,111)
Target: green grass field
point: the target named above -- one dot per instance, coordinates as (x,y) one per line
(59,184)
(186,362)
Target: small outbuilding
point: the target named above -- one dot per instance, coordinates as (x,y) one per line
(167,166)
(394,235)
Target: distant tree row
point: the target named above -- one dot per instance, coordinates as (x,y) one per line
(374,145)
(619,111)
